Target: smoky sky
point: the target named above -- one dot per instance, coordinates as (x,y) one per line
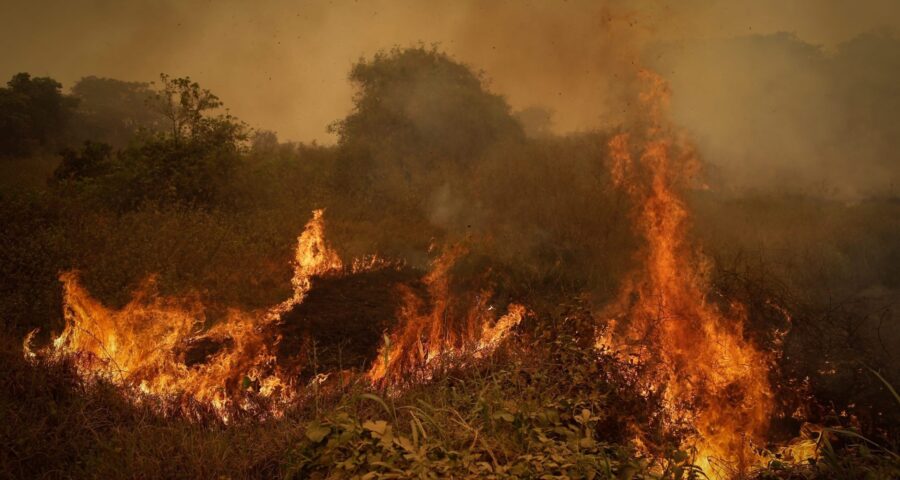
(282,65)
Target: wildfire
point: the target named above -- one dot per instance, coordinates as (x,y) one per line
(429,336)
(147,344)
(158,346)
(710,377)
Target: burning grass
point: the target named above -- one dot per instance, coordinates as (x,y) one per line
(457,387)
(547,405)
(158,347)
(439,364)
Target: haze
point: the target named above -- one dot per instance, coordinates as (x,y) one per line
(282,65)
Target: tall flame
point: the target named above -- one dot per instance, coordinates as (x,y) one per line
(709,376)
(144,344)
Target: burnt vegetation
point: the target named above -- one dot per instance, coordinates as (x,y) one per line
(121,181)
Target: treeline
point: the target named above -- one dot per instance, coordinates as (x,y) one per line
(37,116)
(158,179)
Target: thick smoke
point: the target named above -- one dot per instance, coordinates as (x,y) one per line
(810,109)
(775,113)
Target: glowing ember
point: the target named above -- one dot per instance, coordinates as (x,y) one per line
(711,378)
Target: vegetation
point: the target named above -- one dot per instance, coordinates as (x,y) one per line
(160,180)
(548,408)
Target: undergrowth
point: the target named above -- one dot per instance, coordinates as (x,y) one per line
(547,406)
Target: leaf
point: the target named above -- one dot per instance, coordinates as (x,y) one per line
(379,427)
(382,431)
(406,444)
(316,432)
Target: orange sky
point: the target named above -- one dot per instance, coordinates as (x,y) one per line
(282,64)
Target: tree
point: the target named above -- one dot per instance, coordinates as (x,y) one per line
(418,112)
(92,161)
(184,105)
(190,163)
(113,111)
(189,157)
(33,113)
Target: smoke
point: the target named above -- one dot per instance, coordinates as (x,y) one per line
(809,109)
(772,112)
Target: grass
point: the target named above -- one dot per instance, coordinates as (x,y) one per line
(546,406)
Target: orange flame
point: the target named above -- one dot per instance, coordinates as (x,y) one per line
(144,345)
(429,337)
(147,345)
(710,377)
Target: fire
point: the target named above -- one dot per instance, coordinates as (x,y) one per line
(158,346)
(312,257)
(145,345)
(710,377)
(429,336)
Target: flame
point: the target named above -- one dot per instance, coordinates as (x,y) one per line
(144,344)
(428,337)
(710,377)
(312,257)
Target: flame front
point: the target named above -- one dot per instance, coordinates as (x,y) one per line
(147,345)
(711,379)
(144,345)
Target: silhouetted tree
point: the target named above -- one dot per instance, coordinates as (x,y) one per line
(184,105)
(189,156)
(33,113)
(417,111)
(113,111)
(91,161)
(193,161)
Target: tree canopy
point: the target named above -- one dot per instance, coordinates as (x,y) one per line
(33,113)
(417,110)
(189,158)
(113,111)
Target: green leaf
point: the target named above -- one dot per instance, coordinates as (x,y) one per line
(377,399)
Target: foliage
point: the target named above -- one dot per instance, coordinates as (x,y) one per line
(192,162)
(92,161)
(418,114)
(113,111)
(185,105)
(546,407)
(428,155)
(33,114)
